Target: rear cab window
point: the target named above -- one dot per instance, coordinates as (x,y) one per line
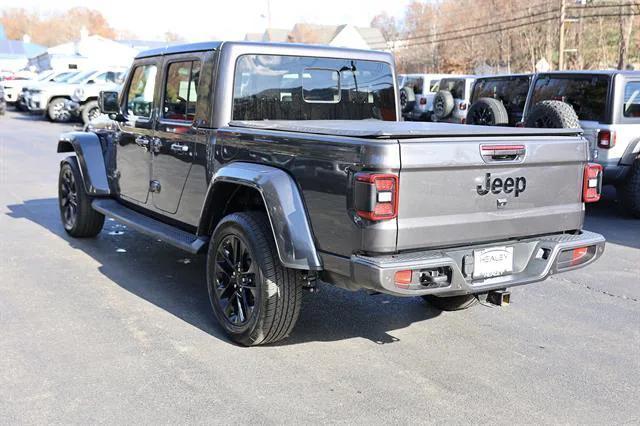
(275,87)
(587,94)
(454,85)
(511,90)
(631,100)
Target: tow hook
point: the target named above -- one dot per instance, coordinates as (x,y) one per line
(499,297)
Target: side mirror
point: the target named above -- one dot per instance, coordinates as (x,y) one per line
(108,102)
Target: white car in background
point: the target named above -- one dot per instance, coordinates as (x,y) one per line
(84,101)
(50,98)
(416,94)
(13,88)
(451,102)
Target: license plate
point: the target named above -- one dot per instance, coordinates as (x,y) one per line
(492,262)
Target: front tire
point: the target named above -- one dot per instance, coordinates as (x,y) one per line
(254,298)
(57,112)
(451,303)
(79,219)
(90,112)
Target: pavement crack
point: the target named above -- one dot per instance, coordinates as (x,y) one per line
(597,290)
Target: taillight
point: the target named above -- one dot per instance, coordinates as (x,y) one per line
(376,196)
(462,106)
(423,101)
(592,185)
(606,139)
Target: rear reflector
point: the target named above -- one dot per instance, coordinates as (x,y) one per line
(376,196)
(462,106)
(592,185)
(403,278)
(606,139)
(576,256)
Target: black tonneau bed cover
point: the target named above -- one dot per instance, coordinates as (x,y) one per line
(394,129)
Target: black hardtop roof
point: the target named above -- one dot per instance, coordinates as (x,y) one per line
(377,129)
(180,48)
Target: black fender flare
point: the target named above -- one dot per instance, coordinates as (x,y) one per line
(632,153)
(285,209)
(88,150)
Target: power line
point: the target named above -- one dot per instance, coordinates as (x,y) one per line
(515,26)
(480,26)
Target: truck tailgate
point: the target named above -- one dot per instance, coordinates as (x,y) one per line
(457,191)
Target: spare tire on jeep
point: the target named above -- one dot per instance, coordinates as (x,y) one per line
(443,104)
(488,112)
(407,99)
(552,115)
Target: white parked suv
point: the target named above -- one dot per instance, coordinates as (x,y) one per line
(451,102)
(607,105)
(50,98)
(416,95)
(13,88)
(84,100)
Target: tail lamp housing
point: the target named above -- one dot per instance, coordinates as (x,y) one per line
(606,139)
(376,196)
(592,184)
(423,101)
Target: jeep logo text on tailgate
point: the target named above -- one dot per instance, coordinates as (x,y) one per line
(508,185)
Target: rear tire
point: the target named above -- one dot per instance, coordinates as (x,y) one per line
(630,190)
(552,115)
(254,298)
(407,99)
(451,303)
(79,219)
(443,104)
(488,112)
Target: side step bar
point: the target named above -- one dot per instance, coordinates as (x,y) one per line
(149,226)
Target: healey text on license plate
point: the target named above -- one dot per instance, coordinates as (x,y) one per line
(492,262)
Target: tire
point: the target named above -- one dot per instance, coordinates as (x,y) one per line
(630,190)
(552,115)
(451,303)
(488,112)
(90,111)
(407,99)
(56,111)
(271,294)
(79,219)
(443,104)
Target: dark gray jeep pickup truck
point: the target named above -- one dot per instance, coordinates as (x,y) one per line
(287,166)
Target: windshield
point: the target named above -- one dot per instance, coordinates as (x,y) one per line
(586,94)
(512,91)
(80,77)
(44,75)
(63,77)
(269,87)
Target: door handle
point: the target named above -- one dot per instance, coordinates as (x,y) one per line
(179,148)
(142,141)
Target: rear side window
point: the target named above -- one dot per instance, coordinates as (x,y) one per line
(631,106)
(455,86)
(416,84)
(140,93)
(181,91)
(586,94)
(511,91)
(272,87)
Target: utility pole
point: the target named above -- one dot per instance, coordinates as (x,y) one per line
(563,10)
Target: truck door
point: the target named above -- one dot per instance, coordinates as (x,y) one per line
(173,148)
(133,160)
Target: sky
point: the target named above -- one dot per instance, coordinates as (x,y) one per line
(198,20)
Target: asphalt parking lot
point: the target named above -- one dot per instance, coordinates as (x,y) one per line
(118,329)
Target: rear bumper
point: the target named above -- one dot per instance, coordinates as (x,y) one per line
(534,260)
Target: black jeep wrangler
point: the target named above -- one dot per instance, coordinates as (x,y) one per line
(287,165)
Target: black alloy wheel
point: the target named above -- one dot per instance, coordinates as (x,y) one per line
(235,280)
(68,198)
